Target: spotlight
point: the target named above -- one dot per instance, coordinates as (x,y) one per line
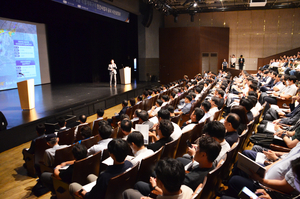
(195,4)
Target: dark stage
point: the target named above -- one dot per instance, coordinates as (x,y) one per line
(52,101)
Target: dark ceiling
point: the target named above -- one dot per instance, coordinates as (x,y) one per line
(176,7)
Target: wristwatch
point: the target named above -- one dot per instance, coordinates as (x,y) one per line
(282,135)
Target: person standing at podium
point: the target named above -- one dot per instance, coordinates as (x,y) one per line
(113,72)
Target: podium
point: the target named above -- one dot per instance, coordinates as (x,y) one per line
(125,75)
(26,94)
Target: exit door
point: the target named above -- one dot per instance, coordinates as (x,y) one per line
(210,62)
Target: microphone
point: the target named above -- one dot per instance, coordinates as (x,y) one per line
(21,74)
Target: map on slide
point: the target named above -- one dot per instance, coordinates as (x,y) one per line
(19,57)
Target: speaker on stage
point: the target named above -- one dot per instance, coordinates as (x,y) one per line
(3,122)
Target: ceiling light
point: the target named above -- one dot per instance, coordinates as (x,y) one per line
(195,4)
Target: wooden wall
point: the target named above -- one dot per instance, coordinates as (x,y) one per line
(180,49)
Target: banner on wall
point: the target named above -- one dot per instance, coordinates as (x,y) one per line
(98,7)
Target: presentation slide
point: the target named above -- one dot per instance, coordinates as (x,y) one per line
(19,54)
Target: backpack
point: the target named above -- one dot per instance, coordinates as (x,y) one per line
(262,139)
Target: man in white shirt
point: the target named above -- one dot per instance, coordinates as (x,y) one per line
(196,116)
(165,99)
(214,101)
(100,113)
(136,143)
(82,122)
(154,110)
(105,132)
(286,93)
(164,114)
(205,106)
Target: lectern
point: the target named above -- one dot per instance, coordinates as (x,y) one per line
(26,94)
(125,75)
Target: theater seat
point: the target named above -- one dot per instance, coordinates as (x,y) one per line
(117,185)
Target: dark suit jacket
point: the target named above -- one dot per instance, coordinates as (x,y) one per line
(123,111)
(243,60)
(270,84)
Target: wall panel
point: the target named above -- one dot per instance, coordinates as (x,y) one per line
(253,33)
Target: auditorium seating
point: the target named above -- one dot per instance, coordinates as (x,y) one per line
(176,148)
(66,137)
(82,168)
(95,126)
(210,184)
(31,160)
(182,146)
(120,183)
(147,166)
(170,149)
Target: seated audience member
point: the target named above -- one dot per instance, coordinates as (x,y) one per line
(62,125)
(193,97)
(217,131)
(290,138)
(49,155)
(165,99)
(118,150)
(144,118)
(165,115)
(135,115)
(247,104)
(136,143)
(79,152)
(279,175)
(126,126)
(286,93)
(40,130)
(139,99)
(291,117)
(220,94)
(187,105)
(205,153)
(105,132)
(145,94)
(196,116)
(122,112)
(214,101)
(154,110)
(3,122)
(172,95)
(241,112)
(171,109)
(169,182)
(231,123)
(205,106)
(164,130)
(198,93)
(100,113)
(132,101)
(82,122)
(85,132)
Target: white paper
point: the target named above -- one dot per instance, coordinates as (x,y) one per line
(270,127)
(260,158)
(144,129)
(88,187)
(109,161)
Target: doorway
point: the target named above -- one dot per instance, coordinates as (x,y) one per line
(210,62)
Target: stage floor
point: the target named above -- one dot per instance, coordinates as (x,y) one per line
(50,99)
